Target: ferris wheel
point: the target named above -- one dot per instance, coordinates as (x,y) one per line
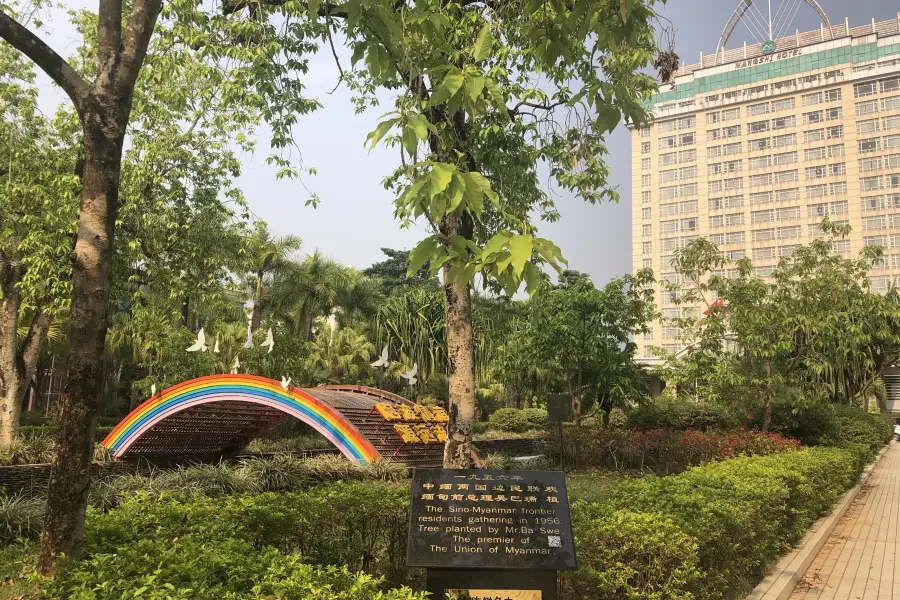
(766,27)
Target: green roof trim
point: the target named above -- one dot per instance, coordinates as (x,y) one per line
(781,68)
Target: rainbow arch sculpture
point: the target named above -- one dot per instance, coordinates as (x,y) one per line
(222,413)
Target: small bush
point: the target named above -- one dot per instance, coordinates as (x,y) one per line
(537,417)
(625,555)
(660,451)
(28,451)
(680,415)
(741,513)
(479,426)
(20,517)
(510,419)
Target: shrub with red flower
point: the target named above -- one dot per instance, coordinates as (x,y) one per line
(664,451)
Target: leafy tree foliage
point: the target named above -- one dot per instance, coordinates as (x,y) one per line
(391,272)
(815,327)
(586,336)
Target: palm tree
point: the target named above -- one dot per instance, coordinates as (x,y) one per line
(340,356)
(268,256)
(359,300)
(307,290)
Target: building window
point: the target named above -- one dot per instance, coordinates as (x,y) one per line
(760,198)
(815,172)
(731,114)
(689,155)
(867,165)
(890,85)
(832,95)
(714,151)
(870,183)
(869,145)
(760,162)
(714,169)
(813,136)
(833,114)
(645,164)
(735,183)
(840,246)
(734,201)
(715,186)
(874,223)
(892,161)
(663,177)
(788,213)
(735,255)
(646,229)
(732,148)
(647,247)
(686,139)
(817,191)
(645,214)
(837,188)
(762,216)
(731,131)
(784,122)
(814,153)
(764,253)
(715,204)
(892,103)
(867,126)
(866,108)
(836,169)
(811,99)
(734,219)
(712,118)
(763,271)
(758,127)
(891,141)
(787,195)
(870,203)
(716,221)
(811,118)
(760,144)
(788,139)
(890,123)
(757,109)
(761,179)
(837,131)
(786,176)
(645,147)
(734,237)
(787,251)
(667,142)
(784,103)
(817,210)
(788,233)
(835,150)
(645,131)
(763,235)
(864,89)
(645,197)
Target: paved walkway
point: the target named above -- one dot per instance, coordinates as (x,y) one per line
(860,560)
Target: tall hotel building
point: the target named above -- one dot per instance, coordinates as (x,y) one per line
(753,146)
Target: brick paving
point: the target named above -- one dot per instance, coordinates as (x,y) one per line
(860,561)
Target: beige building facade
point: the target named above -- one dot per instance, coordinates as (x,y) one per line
(752,147)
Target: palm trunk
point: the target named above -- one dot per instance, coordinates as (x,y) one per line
(458,332)
(92,261)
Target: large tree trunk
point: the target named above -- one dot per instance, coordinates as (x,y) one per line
(458,333)
(92,261)
(11,273)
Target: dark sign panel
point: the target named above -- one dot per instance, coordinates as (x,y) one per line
(559,407)
(468,518)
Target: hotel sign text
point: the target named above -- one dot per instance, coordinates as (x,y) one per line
(761,60)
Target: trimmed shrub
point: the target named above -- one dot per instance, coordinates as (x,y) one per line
(740,513)
(626,554)
(537,417)
(680,415)
(661,451)
(509,419)
(479,426)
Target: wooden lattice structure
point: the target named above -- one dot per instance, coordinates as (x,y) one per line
(217,416)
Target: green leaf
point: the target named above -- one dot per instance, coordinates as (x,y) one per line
(483,43)
(358,52)
(520,247)
(314,9)
(441,174)
(532,278)
(453,82)
(474,86)
(421,254)
(372,61)
(380,131)
(456,192)
(419,124)
(410,140)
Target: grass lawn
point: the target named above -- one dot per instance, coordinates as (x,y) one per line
(12,558)
(591,485)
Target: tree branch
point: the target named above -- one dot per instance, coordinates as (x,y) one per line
(326,10)
(44,57)
(137,39)
(109,32)
(337,61)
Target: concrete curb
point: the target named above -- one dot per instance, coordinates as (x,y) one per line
(780,582)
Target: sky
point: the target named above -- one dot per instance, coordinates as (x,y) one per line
(355,217)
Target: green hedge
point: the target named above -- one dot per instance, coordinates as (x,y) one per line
(510,419)
(245,547)
(707,533)
(678,414)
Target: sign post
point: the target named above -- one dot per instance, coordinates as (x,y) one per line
(559,409)
(488,534)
